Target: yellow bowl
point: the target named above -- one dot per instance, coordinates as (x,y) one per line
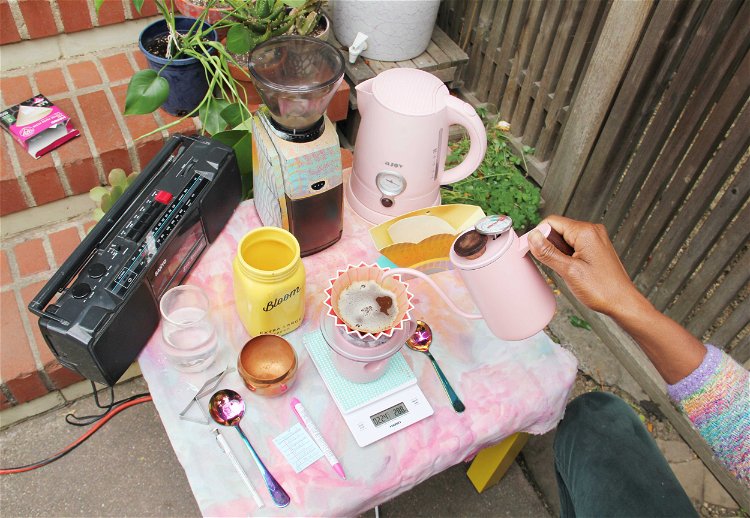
(268,365)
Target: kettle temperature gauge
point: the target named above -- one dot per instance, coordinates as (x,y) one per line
(494,225)
(390,184)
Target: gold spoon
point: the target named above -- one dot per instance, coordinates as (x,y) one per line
(420,341)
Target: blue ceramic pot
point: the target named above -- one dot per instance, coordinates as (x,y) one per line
(186,77)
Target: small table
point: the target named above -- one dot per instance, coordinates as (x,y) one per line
(508,387)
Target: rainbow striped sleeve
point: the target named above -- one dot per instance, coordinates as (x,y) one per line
(716,398)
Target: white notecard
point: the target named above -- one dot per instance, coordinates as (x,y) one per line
(298,447)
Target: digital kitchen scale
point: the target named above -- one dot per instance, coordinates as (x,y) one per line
(371,410)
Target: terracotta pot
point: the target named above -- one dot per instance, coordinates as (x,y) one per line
(242,76)
(192,10)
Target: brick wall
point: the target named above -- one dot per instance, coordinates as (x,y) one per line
(30,19)
(28,369)
(91,90)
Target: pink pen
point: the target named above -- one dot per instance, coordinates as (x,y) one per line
(304,418)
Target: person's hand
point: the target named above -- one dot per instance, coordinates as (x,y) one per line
(594,272)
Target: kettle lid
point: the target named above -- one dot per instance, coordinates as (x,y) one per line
(491,237)
(410,91)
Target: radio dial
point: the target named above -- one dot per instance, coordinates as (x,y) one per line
(81,290)
(96,270)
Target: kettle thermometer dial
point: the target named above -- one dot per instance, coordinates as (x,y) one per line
(390,184)
(493,226)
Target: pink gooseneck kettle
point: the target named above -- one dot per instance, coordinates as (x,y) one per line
(507,288)
(400,152)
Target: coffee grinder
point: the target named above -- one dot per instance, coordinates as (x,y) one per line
(297,179)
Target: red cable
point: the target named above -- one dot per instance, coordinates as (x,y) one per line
(82,438)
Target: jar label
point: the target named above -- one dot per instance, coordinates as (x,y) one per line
(280,300)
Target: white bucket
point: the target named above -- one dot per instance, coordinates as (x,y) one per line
(396,30)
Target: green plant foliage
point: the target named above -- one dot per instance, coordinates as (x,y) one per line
(252,23)
(146,92)
(576,321)
(105,197)
(210,115)
(235,114)
(241,141)
(499,185)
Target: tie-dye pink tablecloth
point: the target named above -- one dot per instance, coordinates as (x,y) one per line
(507,387)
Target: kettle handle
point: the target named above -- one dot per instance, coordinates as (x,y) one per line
(551,234)
(426,278)
(463,114)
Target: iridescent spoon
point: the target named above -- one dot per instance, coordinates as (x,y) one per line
(227,408)
(420,341)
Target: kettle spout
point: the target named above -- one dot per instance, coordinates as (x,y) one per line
(365,96)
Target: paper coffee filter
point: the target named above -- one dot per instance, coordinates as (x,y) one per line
(30,114)
(369,272)
(406,255)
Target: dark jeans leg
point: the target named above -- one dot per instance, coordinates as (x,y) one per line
(608,464)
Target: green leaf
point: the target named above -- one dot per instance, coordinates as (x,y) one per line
(138,5)
(239,39)
(97,192)
(241,141)
(235,114)
(294,4)
(146,92)
(115,193)
(98,214)
(579,322)
(117,176)
(210,115)
(106,202)
(263,8)
(131,178)
(98,5)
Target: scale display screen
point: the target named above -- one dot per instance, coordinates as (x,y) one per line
(389,414)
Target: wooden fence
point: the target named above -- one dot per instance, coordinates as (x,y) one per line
(639,113)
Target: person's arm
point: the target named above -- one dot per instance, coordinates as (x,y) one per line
(706,384)
(597,278)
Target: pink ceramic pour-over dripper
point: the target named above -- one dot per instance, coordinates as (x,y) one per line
(362,357)
(507,288)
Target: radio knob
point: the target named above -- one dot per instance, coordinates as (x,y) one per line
(96,270)
(80,290)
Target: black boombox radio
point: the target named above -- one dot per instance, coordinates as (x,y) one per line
(145,244)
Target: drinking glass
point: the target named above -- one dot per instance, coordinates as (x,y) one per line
(190,340)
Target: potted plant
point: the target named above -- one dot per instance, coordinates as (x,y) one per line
(218,103)
(167,45)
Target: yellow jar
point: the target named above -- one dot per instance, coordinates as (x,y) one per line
(269,282)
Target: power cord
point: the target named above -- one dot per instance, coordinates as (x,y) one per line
(86,420)
(112,409)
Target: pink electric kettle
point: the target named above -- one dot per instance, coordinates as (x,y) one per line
(400,152)
(510,293)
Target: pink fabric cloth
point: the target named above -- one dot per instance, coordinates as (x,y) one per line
(507,387)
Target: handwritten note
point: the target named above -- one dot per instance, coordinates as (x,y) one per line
(298,447)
